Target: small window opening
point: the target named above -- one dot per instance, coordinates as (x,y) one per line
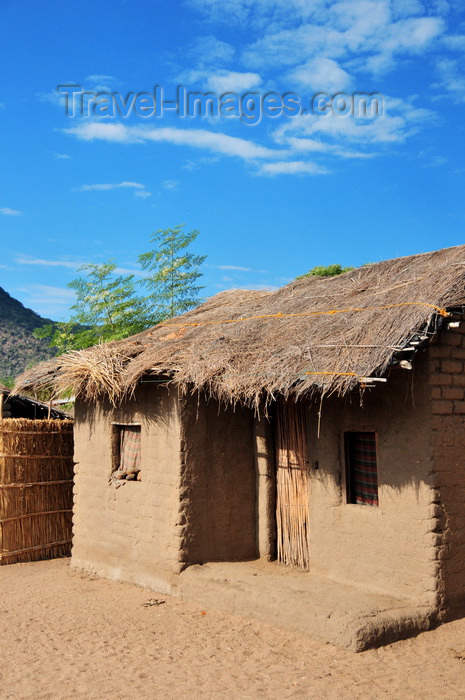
(361,468)
(126,452)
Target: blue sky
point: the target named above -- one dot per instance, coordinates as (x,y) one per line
(270,200)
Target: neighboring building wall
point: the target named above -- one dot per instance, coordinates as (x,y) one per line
(447,379)
(265,471)
(131,532)
(218,484)
(390,548)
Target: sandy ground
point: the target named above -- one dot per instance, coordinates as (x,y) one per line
(67,635)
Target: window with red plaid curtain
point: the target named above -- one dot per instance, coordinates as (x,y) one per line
(125,452)
(361,468)
(130,448)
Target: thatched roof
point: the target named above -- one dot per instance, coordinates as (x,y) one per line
(17,406)
(315,334)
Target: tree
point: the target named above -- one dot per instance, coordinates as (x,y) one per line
(110,307)
(107,308)
(328,271)
(107,303)
(172,273)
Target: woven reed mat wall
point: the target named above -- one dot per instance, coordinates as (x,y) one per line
(36,489)
(292,517)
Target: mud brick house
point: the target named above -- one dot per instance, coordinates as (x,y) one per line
(296,455)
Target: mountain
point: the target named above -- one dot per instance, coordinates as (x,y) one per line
(18,347)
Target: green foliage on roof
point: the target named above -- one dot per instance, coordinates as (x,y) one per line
(326,271)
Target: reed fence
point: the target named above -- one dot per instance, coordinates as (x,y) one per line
(36,489)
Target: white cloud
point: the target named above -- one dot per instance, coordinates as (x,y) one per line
(102,83)
(54,97)
(210,50)
(236,268)
(49,301)
(92,131)
(406,8)
(315,45)
(435,161)
(69,264)
(411,36)
(110,186)
(370,31)
(193,76)
(99,78)
(414,34)
(344,153)
(42,262)
(307,41)
(196,138)
(219,81)
(456,42)
(212,141)
(321,74)
(312,46)
(62,156)
(255,12)
(306,145)
(50,295)
(194,164)
(138,189)
(293,142)
(232,81)
(292,167)
(323,43)
(10,212)
(401,120)
(452,78)
(170,184)
(93,83)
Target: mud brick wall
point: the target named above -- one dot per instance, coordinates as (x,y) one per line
(390,548)
(218,490)
(447,382)
(131,532)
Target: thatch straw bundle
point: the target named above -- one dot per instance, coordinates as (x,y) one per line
(315,334)
(36,480)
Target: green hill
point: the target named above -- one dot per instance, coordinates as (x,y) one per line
(18,347)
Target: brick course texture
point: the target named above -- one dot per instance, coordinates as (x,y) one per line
(131,532)
(448,452)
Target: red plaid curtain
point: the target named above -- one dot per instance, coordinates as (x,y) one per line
(363,470)
(130,448)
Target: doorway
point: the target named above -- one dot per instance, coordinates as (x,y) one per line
(292,483)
